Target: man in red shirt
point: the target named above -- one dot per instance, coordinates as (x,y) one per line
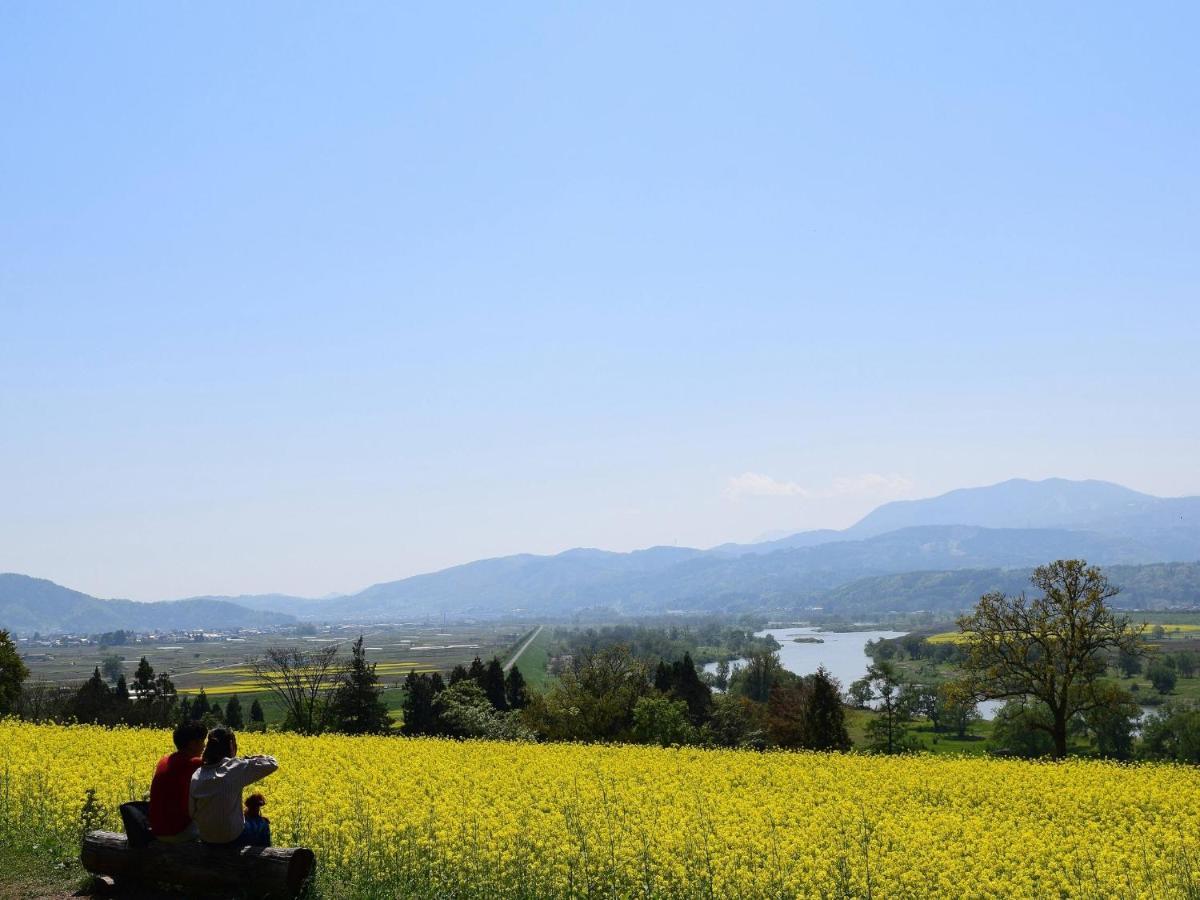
(169,817)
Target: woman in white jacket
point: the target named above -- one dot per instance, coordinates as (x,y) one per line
(215,793)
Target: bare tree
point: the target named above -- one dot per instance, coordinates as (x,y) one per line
(42,701)
(1053,648)
(303,680)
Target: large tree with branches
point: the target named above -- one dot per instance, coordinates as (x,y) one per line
(304,680)
(1053,648)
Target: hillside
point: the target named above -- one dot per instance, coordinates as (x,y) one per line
(671,578)
(1155,586)
(35,604)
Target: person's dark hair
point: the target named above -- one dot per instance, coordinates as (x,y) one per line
(219,746)
(187,732)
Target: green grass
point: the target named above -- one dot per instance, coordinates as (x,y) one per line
(976,743)
(29,875)
(534,662)
(1145,694)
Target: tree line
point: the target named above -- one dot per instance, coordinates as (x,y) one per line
(316,690)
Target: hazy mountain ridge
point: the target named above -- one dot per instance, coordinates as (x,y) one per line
(35,604)
(971,528)
(1099,506)
(278,603)
(1105,523)
(703,580)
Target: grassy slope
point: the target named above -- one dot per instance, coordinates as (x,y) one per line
(534,660)
(975,744)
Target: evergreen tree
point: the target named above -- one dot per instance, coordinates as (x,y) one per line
(493,685)
(143,681)
(457,674)
(164,688)
(93,701)
(200,706)
(420,696)
(12,673)
(357,707)
(663,682)
(824,719)
(687,686)
(515,689)
(256,713)
(477,670)
(185,710)
(233,713)
(680,681)
(121,692)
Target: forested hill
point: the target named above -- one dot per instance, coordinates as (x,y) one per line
(1155,586)
(35,604)
(671,578)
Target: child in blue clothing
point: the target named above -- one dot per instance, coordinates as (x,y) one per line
(258,826)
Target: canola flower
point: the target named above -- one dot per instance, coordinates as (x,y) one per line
(435,818)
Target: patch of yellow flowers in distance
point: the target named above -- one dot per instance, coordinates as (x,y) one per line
(428,817)
(382,668)
(959,637)
(948,637)
(246,684)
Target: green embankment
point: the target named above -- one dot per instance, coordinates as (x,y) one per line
(535,660)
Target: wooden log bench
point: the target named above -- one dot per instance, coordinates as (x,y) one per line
(262,872)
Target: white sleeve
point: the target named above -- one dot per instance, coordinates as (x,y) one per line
(256,769)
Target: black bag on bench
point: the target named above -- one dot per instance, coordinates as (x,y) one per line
(135,816)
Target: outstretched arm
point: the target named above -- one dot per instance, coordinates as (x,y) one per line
(256,768)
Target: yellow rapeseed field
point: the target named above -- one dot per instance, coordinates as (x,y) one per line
(428,817)
(948,637)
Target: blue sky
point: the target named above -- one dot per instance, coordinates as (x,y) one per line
(300,297)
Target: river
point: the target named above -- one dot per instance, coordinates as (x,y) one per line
(842,653)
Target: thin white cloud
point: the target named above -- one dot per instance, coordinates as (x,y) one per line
(755,484)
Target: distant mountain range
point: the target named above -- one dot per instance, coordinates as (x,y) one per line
(35,604)
(937,553)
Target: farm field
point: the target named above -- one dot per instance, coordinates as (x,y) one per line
(1175,627)
(219,666)
(430,817)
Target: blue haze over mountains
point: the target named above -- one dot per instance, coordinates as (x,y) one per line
(938,553)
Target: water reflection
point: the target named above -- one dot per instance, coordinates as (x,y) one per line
(842,653)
